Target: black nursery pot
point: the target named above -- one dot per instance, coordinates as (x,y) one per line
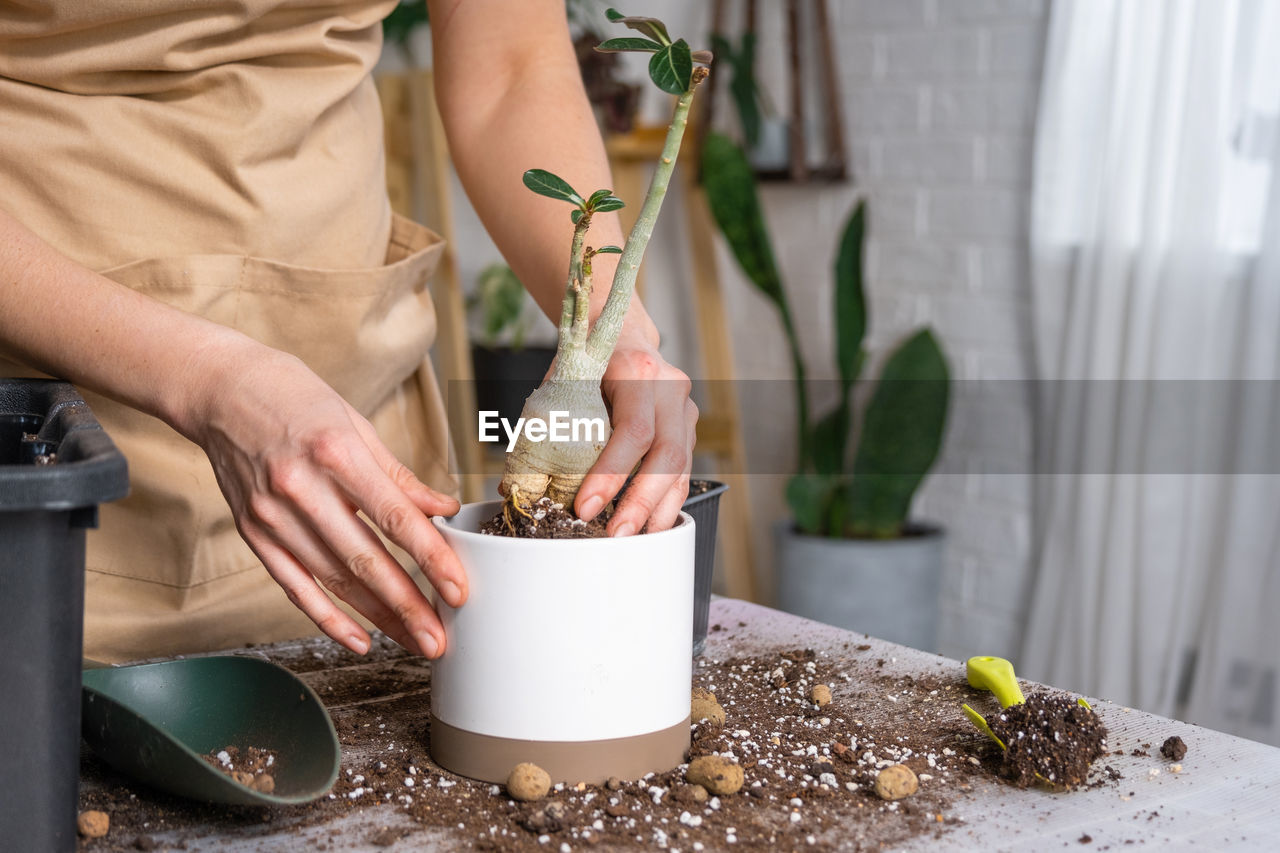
(56,466)
(705,509)
(505,377)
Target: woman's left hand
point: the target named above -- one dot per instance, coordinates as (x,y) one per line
(654,425)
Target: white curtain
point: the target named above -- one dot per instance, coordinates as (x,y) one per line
(1156,292)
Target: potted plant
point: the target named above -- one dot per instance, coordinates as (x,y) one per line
(573,654)
(506,367)
(849,555)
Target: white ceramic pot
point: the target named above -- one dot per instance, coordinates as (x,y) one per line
(888,588)
(570,654)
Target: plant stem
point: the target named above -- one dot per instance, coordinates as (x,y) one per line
(568,310)
(609,324)
(582,310)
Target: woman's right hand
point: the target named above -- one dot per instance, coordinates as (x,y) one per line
(298,466)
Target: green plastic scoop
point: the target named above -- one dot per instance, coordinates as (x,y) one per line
(996,675)
(155,721)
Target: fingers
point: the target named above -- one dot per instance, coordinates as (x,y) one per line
(365,562)
(302,590)
(665,467)
(309,509)
(668,509)
(328,569)
(634,428)
(423,496)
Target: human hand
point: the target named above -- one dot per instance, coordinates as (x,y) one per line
(653,420)
(296,463)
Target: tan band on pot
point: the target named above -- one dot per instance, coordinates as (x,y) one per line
(490,759)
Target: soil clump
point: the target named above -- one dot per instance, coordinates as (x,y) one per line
(1174,748)
(1051,735)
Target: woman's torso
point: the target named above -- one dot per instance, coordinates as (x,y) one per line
(226,158)
(166,127)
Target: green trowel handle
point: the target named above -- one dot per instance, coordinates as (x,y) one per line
(996,675)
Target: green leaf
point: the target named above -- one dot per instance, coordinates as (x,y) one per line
(627,44)
(830,440)
(808,496)
(608,204)
(552,186)
(609,250)
(851,305)
(651,27)
(576,215)
(901,435)
(597,197)
(731,193)
(671,69)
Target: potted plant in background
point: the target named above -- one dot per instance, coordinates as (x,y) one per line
(573,653)
(507,368)
(850,555)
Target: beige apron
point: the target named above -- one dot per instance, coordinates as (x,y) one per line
(226,159)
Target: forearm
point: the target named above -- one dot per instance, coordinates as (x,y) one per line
(65,320)
(527,110)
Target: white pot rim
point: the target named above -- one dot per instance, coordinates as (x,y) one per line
(440,520)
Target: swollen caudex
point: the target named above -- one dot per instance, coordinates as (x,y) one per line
(556,468)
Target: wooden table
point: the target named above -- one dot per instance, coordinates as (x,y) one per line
(1226,795)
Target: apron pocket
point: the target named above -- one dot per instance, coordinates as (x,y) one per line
(366,332)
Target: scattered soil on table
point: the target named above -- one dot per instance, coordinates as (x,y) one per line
(809,772)
(252,766)
(1051,735)
(545,519)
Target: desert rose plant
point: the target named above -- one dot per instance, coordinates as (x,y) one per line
(556,469)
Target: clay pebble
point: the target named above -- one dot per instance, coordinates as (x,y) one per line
(690,794)
(820,695)
(895,782)
(528,782)
(703,705)
(717,774)
(93,824)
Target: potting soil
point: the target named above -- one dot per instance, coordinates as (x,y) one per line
(546,519)
(252,766)
(1051,735)
(809,771)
